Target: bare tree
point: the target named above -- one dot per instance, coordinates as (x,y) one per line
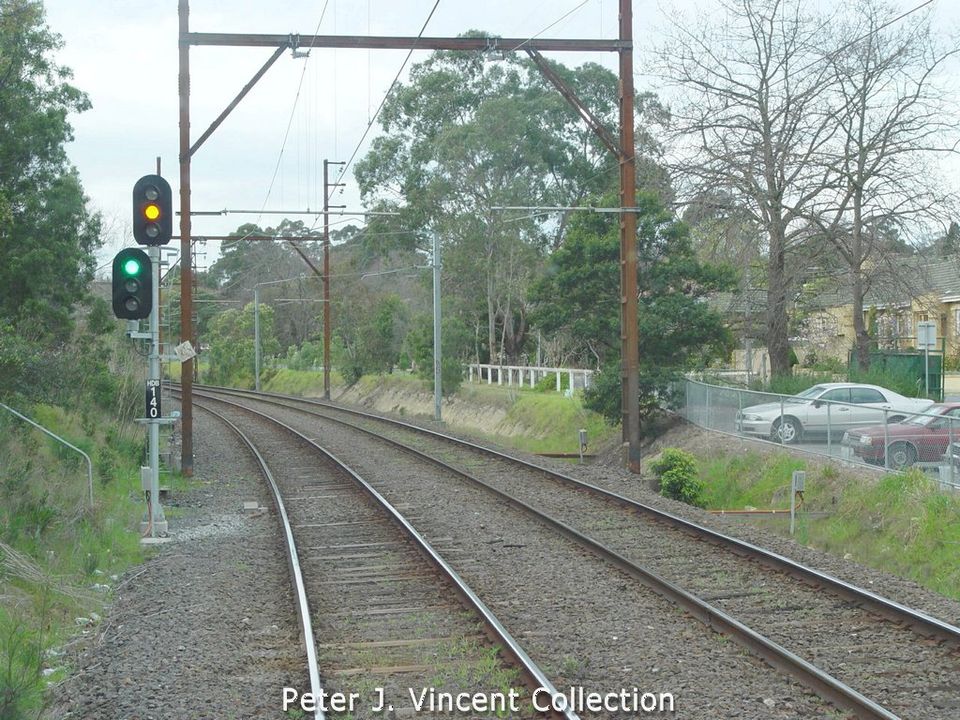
(893,119)
(752,121)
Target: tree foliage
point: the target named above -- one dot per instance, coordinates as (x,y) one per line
(47,233)
(677,330)
(467,135)
(456,344)
(370,329)
(231,338)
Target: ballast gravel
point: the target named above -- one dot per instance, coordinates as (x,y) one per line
(206,627)
(611,475)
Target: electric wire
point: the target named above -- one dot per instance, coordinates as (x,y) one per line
(386,95)
(555,22)
(872,32)
(293,110)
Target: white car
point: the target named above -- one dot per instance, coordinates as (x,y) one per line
(838,406)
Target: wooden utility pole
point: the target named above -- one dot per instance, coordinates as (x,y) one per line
(186,256)
(628,248)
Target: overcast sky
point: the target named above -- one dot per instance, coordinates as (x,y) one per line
(124,55)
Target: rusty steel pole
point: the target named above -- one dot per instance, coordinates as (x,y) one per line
(630,350)
(186,261)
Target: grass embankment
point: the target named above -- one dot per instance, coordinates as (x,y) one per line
(526,419)
(552,423)
(57,554)
(307,383)
(901,523)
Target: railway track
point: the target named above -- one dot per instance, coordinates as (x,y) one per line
(393,620)
(903,659)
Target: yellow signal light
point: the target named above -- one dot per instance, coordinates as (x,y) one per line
(151,211)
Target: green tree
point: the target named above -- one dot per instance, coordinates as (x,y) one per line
(47,234)
(231,353)
(468,134)
(677,331)
(370,328)
(456,341)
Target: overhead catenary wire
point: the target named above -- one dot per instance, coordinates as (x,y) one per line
(293,109)
(863,37)
(386,95)
(554,23)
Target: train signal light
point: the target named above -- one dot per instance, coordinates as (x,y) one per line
(152,211)
(132,284)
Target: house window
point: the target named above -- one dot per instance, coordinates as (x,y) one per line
(906,325)
(956,320)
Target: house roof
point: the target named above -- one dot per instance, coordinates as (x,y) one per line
(896,282)
(750,300)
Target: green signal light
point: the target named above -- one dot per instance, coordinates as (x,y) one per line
(131,267)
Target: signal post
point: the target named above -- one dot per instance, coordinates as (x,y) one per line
(136,295)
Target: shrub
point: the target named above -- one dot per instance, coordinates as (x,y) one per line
(21,688)
(455,340)
(308,356)
(904,383)
(796,383)
(548,383)
(677,471)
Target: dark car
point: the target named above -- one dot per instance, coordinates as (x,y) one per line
(920,438)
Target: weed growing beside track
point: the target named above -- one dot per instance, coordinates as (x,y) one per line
(59,557)
(901,523)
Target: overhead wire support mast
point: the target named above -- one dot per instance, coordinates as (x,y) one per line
(623,45)
(327,320)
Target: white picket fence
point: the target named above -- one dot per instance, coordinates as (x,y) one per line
(521,375)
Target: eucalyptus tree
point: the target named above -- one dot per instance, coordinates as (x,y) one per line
(48,235)
(469,134)
(245,264)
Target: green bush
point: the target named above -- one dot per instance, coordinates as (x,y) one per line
(793,384)
(904,383)
(549,383)
(308,356)
(677,471)
(455,340)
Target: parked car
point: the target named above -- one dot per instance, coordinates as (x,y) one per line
(920,438)
(839,406)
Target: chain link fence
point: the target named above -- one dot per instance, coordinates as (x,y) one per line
(854,423)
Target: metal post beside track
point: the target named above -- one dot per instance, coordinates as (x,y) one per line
(437,375)
(886,439)
(256,338)
(829,431)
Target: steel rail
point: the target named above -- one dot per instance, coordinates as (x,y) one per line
(890,609)
(774,654)
(303,607)
(497,632)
